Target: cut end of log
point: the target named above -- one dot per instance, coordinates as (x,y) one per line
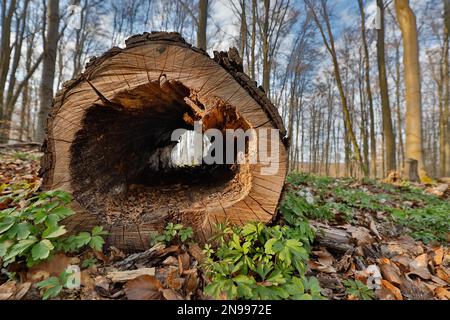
(109,142)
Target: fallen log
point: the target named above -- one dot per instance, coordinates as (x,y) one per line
(108,141)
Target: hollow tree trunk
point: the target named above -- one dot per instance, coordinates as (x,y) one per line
(109,141)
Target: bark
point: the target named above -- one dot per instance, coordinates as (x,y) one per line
(48,67)
(389,137)
(414,140)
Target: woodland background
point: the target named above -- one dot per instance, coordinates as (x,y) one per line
(337,80)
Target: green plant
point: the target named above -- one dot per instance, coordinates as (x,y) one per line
(259,262)
(358,289)
(94,240)
(171,232)
(429,224)
(32,232)
(89,262)
(52,286)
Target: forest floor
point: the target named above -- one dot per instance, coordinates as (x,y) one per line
(373,240)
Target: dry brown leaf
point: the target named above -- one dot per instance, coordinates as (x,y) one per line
(442,293)
(173,279)
(86,280)
(191,283)
(361,235)
(391,273)
(438,256)
(385,294)
(196,252)
(324,257)
(7,290)
(418,266)
(53,267)
(170,261)
(22,290)
(389,286)
(439,190)
(143,288)
(320,267)
(439,281)
(402,262)
(373,228)
(443,273)
(184,258)
(170,294)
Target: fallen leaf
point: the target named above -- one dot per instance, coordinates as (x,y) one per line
(438,256)
(402,262)
(184,259)
(320,267)
(170,294)
(52,267)
(389,286)
(439,190)
(7,290)
(22,290)
(324,257)
(373,228)
(173,279)
(143,288)
(418,266)
(391,273)
(191,283)
(170,261)
(442,293)
(361,235)
(443,273)
(196,252)
(439,281)
(385,294)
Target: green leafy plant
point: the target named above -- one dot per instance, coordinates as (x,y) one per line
(429,224)
(52,286)
(358,289)
(171,232)
(89,263)
(259,262)
(32,232)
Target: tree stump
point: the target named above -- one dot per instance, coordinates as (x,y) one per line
(411,170)
(108,138)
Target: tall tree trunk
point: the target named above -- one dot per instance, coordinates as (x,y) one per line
(253,44)
(373,146)
(389,137)
(265,34)
(202,24)
(48,68)
(5,55)
(243,31)
(414,142)
(401,152)
(447,86)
